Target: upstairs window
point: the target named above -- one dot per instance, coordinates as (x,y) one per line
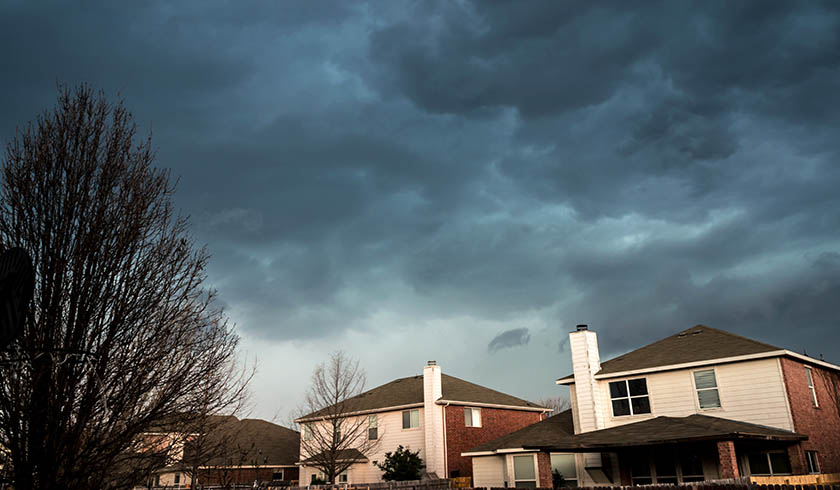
(472,417)
(707,389)
(411,419)
(810,376)
(307,432)
(373,428)
(629,397)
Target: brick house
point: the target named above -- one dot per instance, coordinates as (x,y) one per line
(437,414)
(699,405)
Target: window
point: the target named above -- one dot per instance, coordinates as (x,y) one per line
(307,432)
(666,468)
(769,463)
(810,376)
(691,468)
(411,419)
(524,473)
(472,417)
(640,470)
(373,428)
(813,462)
(177,479)
(707,389)
(342,477)
(563,471)
(277,475)
(629,397)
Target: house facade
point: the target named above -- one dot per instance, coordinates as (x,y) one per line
(702,404)
(440,416)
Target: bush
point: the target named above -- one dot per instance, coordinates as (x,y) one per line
(401,465)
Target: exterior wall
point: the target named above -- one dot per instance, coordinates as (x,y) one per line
(495,423)
(750,391)
(390,435)
(586,363)
(489,471)
(434,458)
(544,478)
(222,476)
(821,424)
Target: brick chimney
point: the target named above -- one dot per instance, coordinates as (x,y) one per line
(433,420)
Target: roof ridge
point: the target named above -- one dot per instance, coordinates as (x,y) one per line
(731,334)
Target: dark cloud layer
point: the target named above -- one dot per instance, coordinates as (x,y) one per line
(509,338)
(641,167)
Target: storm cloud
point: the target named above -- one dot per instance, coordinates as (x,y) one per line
(408,179)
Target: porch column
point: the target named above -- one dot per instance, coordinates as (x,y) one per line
(544,468)
(727,459)
(624,473)
(798,465)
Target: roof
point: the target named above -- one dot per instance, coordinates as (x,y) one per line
(252,441)
(343,455)
(698,343)
(409,391)
(552,434)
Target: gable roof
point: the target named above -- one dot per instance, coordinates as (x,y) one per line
(250,441)
(698,343)
(558,434)
(409,391)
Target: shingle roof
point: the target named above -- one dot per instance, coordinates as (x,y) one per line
(250,441)
(343,455)
(552,434)
(409,391)
(698,343)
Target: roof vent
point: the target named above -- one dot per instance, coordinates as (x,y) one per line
(431,363)
(696,332)
(682,335)
(582,327)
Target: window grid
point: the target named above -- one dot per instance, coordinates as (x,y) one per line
(636,397)
(373,428)
(472,417)
(810,376)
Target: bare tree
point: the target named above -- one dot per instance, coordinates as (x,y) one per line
(334,435)
(557,404)
(121,337)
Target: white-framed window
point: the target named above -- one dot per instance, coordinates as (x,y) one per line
(563,470)
(809,375)
(629,397)
(411,419)
(769,463)
(705,383)
(342,477)
(307,432)
(373,428)
(524,471)
(176,480)
(813,461)
(277,475)
(472,417)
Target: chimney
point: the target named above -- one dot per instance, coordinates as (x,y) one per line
(586,362)
(433,420)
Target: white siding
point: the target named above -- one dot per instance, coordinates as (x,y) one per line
(391,434)
(750,391)
(488,471)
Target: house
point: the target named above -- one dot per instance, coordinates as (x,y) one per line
(699,405)
(438,415)
(229,451)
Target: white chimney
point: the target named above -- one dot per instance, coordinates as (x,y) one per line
(586,362)
(433,420)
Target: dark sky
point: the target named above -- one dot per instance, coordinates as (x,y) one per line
(466,181)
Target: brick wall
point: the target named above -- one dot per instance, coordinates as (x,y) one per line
(821,424)
(246,476)
(494,423)
(727,461)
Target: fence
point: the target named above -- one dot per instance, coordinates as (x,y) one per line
(441,484)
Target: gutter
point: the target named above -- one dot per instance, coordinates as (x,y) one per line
(493,405)
(358,412)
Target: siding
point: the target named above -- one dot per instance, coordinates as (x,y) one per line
(391,435)
(750,391)
(489,471)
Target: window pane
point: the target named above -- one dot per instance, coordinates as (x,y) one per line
(523,468)
(468,417)
(638,387)
(415,418)
(407,420)
(564,464)
(808,375)
(373,433)
(476,415)
(758,464)
(665,467)
(779,463)
(640,466)
(618,389)
(621,407)
(705,379)
(813,463)
(691,465)
(709,398)
(526,484)
(641,404)
(372,421)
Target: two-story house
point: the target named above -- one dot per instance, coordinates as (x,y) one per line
(438,415)
(702,404)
